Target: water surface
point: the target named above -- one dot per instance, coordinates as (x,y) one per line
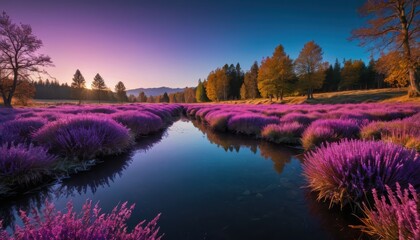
(206,185)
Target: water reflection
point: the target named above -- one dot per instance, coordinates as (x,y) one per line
(280,155)
(103,174)
(204,192)
(99,176)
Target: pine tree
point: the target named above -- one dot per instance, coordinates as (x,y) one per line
(164,98)
(121,92)
(251,82)
(98,85)
(142,97)
(200,93)
(78,84)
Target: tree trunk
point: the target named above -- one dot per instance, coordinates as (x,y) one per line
(281,95)
(414,89)
(308,92)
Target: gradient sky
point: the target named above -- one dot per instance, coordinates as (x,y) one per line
(174,43)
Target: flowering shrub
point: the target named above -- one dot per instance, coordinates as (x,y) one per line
(140,123)
(24,165)
(395,216)
(20,130)
(84,137)
(249,123)
(297,117)
(330,130)
(218,120)
(91,223)
(348,170)
(283,133)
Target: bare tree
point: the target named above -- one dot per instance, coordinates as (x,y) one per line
(18,54)
(394,25)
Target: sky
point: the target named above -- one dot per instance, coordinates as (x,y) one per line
(174,43)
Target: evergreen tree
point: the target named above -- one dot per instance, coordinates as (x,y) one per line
(98,85)
(251,82)
(78,84)
(121,92)
(201,92)
(142,97)
(164,98)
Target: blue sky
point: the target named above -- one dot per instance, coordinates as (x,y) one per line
(174,43)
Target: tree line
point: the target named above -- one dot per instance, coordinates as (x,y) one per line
(392,29)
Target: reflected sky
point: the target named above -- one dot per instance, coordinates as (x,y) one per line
(206,185)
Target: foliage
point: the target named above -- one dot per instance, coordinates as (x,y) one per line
(351,74)
(98,85)
(200,93)
(393,28)
(217,85)
(288,133)
(91,223)
(248,123)
(20,130)
(347,171)
(121,93)
(24,165)
(251,83)
(18,55)
(84,137)
(78,84)
(275,74)
(394,216)
(140,123)
(329,130)
(310,68)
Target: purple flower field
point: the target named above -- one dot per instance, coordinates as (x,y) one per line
(352,150)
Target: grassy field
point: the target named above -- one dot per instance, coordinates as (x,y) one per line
(355,96)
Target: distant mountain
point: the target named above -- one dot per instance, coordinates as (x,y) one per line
(153,91)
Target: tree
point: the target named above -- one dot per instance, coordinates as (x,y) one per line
(251,82)
(351,74)
(121,93)
(25,90)
(18,55)
(142,97)
(98,85)
(189,95)
(217,85)
(276,74)
(200,93)
(395,69)
(78,84)
(394,25)
(310,68)
(244,94)
(164,98)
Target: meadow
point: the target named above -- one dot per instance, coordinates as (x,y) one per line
(362,157)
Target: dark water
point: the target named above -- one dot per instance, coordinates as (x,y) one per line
(206,185)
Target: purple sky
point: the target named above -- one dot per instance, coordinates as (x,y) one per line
(174,43)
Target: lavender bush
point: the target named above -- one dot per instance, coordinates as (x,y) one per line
(140,123)
(395,216)
(250,124)
(348,170)
(91,223)
(330,130)
(24,165)
(20,130)
(283,133)
(84,137)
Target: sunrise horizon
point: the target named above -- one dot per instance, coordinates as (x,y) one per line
(154,44)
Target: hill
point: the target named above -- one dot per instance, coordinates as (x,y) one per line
(153,91)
